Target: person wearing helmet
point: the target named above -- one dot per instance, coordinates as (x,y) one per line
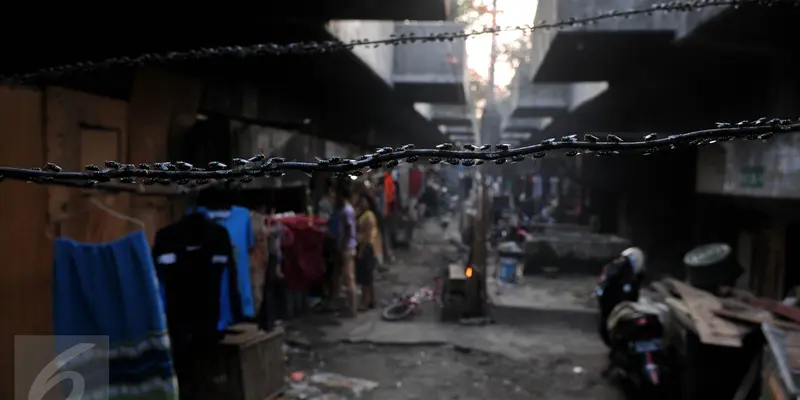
(635,257)
(620,281)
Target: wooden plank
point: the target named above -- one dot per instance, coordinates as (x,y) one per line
(681,313)
(749,381)
(71,117)
(162,105)
(755,318)
(661,289)
(26,275)
(94,224)
(777,308)
(710,328)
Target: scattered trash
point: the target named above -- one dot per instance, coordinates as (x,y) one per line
(298,342)
(288,349)
(577,370)
(335,381)
(329,396)
(314,301)
(302,391)
(399,384)
(326,386)
(297,376)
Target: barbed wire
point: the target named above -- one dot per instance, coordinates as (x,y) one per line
(299,48)
(245,170)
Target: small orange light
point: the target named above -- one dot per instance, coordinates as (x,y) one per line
(468,272)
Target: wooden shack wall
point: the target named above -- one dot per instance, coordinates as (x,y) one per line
(25,274)
(72,128)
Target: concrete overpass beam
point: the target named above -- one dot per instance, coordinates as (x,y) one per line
(431,72)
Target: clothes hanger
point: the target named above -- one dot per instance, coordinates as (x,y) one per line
(99,204)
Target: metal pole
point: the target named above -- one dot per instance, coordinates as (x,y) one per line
(490,97)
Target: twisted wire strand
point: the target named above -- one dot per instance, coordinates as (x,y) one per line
(273,49)
(114,176)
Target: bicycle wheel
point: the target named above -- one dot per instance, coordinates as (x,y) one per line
(397,311)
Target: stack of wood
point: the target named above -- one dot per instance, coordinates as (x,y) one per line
(724,318)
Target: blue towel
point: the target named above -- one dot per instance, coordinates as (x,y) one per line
(110,289)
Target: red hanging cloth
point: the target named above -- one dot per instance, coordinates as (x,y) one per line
(303,263)
(388,192)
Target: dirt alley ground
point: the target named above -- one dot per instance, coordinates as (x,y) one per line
(532,362)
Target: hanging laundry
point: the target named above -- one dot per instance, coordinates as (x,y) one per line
(538,187)
(416,178)
(380,204)
(258,258)
(273,298)
(402,181)
(237,222)
(192,256)
(302,254)
(388,192)
(110,289)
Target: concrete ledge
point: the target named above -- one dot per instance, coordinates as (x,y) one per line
(578,319)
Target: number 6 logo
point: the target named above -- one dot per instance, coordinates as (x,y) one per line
(49,376)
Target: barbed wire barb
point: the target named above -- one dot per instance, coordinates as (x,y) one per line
(274,49)
(245,170)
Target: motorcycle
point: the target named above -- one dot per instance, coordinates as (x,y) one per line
(618,282)
(638,356)
(631,329)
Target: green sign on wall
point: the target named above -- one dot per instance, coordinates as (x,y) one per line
(751,177)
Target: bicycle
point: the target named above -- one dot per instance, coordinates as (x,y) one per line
(407,305)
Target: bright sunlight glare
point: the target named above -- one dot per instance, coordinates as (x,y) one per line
(511,12)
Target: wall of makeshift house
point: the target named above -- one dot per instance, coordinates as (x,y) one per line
(748,192)
(25,276)
(72,129)
(647,199)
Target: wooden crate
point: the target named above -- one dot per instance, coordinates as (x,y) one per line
(248,364)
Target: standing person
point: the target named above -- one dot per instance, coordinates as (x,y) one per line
(389,196)
(346,240)
(273,311)
(369,248)
(327,208)
(326,204)
(258,257)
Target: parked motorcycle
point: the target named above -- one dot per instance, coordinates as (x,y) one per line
(638,356)
(631,329)
(619,281)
